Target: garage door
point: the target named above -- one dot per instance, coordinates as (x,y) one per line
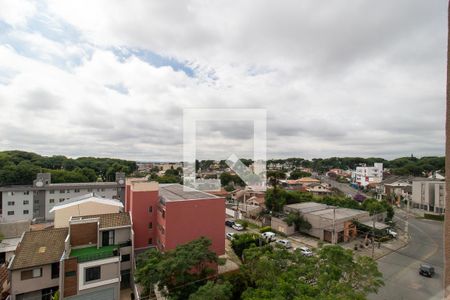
(106,294)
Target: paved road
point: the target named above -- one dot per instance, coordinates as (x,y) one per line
(343,187)
(400,269)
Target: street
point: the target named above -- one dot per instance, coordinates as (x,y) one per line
(401,268)
(343,187)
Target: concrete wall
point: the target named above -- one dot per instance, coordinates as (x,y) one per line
(281,226)
(63,215)
(429,196)
(14,229)
(19,286)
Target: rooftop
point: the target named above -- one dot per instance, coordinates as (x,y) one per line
(39,247)
(109,220)
(177,192)
(8,245)
(339,213)
(91,197)
(307,207)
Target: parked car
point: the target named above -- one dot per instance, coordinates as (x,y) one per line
(269,236)
(305,251)
(238,227)
(285,243)
(230,235)
(391,233)
(229,223)
(426,270)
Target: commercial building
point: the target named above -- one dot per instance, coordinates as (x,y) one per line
(429,196)
(326,220)
(28,202)
(363,175)
(168,215)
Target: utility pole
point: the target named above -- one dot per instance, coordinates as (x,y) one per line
(373,236)
(333,238)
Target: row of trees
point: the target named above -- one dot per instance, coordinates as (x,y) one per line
(399,166)
(19,167)
(266,273)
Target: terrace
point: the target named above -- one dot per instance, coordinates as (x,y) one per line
(94,253)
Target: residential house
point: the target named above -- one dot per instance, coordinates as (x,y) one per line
(34,271)
(363,175)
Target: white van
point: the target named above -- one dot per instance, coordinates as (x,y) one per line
(269,236)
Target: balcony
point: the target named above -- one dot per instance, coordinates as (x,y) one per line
(125,244)
(94,253)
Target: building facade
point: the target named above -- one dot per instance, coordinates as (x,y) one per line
(28,202)
(168,215)
(363,175)
(429,196)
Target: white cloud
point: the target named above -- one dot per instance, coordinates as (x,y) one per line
(337,78)
(16,12)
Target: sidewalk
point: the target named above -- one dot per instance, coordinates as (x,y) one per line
(385,248)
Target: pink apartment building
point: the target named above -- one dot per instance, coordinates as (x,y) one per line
(168,215)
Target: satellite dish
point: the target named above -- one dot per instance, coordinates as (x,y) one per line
(121,181)
(39,184)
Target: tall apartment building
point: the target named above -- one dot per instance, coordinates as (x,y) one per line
(429,195)
(363,175)
(90,259)
(27,202)
(168,215)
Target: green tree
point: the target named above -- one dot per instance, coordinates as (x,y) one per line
(297,219)
(213,291)
(244,241)
(181,271)
(331,274)
(298,174)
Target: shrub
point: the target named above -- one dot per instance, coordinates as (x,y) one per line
(244,223)
(434,217)
(265,229)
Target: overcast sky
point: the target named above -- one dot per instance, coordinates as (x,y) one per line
(111,78)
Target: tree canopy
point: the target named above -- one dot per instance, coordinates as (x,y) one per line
(180,271)
(333,273)
(19,167)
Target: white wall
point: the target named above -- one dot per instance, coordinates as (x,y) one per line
(18,207)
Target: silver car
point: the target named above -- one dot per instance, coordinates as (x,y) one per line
(285,243)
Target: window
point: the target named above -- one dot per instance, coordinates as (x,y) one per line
(10,213)
(36,201)
(51,201)
(55,270)
(150,241)
(62,191)
(150,209)
(28,274)
(107,238)
(76,190)
(11,193)
(11,203)
(68,191)
(92,273)
(125,257)
(25,212)
(26,193)
(26,202)
(52,192)
(61,200)
(150,225)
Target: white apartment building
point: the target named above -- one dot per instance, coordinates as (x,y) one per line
(28,202)
(429,195)
(364,175)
